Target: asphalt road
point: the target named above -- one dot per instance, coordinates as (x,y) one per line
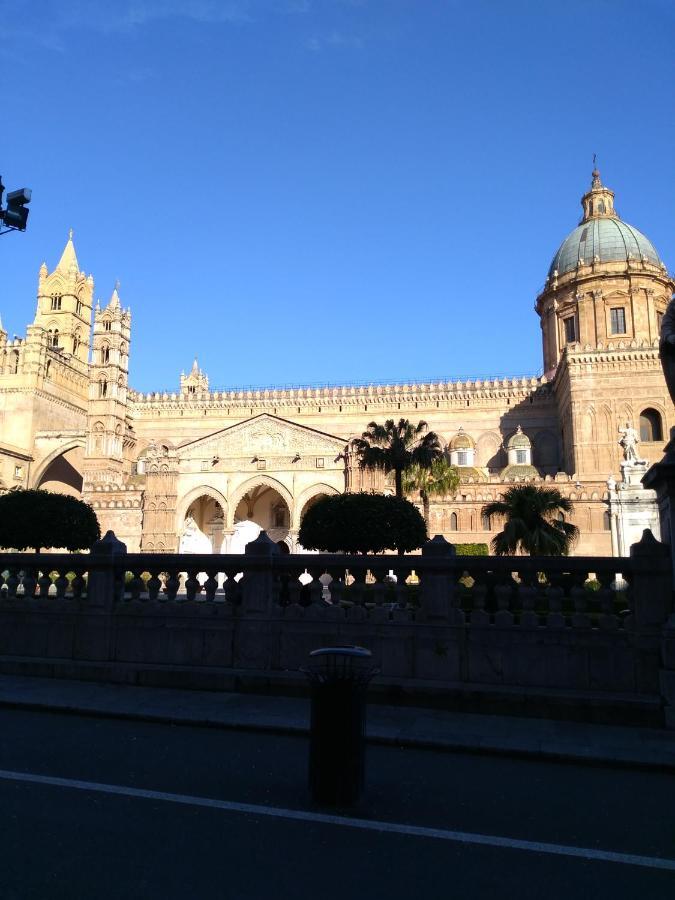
(135,810)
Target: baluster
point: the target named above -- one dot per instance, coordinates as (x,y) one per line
(154,586)
(12,582)
(316,588)
(77,584)
(294,589)
(579,598)
(135,586)
(503,591)
(337,590)
(44,583)
(29,583)
(231,588)
(192,585)
(527,594)
(479,615)
(171,584)
(61,585)
(607,620)
(555,594)
(211,585)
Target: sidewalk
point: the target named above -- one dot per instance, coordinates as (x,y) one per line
(401,726)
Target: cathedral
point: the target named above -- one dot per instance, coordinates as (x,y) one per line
(204,470)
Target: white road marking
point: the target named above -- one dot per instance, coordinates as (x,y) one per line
(254,809)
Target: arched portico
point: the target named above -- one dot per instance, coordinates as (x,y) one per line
(249,486)
(192,496)
(38,475)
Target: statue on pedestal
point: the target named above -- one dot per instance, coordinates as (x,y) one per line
(629,441)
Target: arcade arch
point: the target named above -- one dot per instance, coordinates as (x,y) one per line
(61,471)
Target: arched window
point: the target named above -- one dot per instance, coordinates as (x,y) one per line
(606,521)
(485,522)
(56,301)
(107,325)
(14,362)
(76,343)
(651,428)
(105,354)
(102,387)
(48,368)
(601,206)
(78,308)
(453,522)
(53,337)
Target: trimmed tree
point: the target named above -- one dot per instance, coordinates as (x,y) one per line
(534,522)
(41,520)
(362,523)
(437,480)
(394,447)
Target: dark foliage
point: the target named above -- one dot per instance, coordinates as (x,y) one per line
(534,522)
(41,520)
(362,523)
(395,447)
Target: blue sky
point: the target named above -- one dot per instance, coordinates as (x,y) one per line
(304,191)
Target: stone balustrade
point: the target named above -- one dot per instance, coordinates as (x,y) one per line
(590,630)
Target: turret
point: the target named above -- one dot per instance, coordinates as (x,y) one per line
(108,385)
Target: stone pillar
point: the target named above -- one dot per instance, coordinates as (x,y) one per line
(632,508)
(661,478)
(106,577)
(257,586)
(437,590)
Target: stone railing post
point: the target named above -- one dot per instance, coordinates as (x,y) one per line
(437,590)
(106,579)
(257,587)
(661,478)
(651,585)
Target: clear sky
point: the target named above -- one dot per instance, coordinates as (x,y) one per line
(304,191)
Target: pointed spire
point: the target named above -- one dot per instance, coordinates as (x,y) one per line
(195,367)
(68,257)
(115,297)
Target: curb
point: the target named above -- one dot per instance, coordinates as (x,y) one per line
(376,737)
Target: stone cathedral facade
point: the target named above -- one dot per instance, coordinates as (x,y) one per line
(204,470)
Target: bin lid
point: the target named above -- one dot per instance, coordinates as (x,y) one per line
(358,652)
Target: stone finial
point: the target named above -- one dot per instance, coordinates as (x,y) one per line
(263,545)
(438,546)
(109,545)
(649,546)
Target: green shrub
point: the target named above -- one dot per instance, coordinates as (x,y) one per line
(362,523)
(42,520)
(472,550)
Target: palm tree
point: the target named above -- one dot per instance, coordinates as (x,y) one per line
(535,522)
(436,480)
(395,447)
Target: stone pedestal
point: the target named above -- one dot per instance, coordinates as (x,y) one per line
(660,478)
(632,508)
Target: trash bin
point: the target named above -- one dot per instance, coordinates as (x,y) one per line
(339,678)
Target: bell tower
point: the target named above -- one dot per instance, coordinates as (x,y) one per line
(64,307)
(107,426)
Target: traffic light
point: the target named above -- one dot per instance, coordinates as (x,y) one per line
(16,214)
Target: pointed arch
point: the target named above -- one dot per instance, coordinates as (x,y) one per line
(256,481)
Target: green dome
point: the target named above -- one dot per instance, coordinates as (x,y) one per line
(610,239)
